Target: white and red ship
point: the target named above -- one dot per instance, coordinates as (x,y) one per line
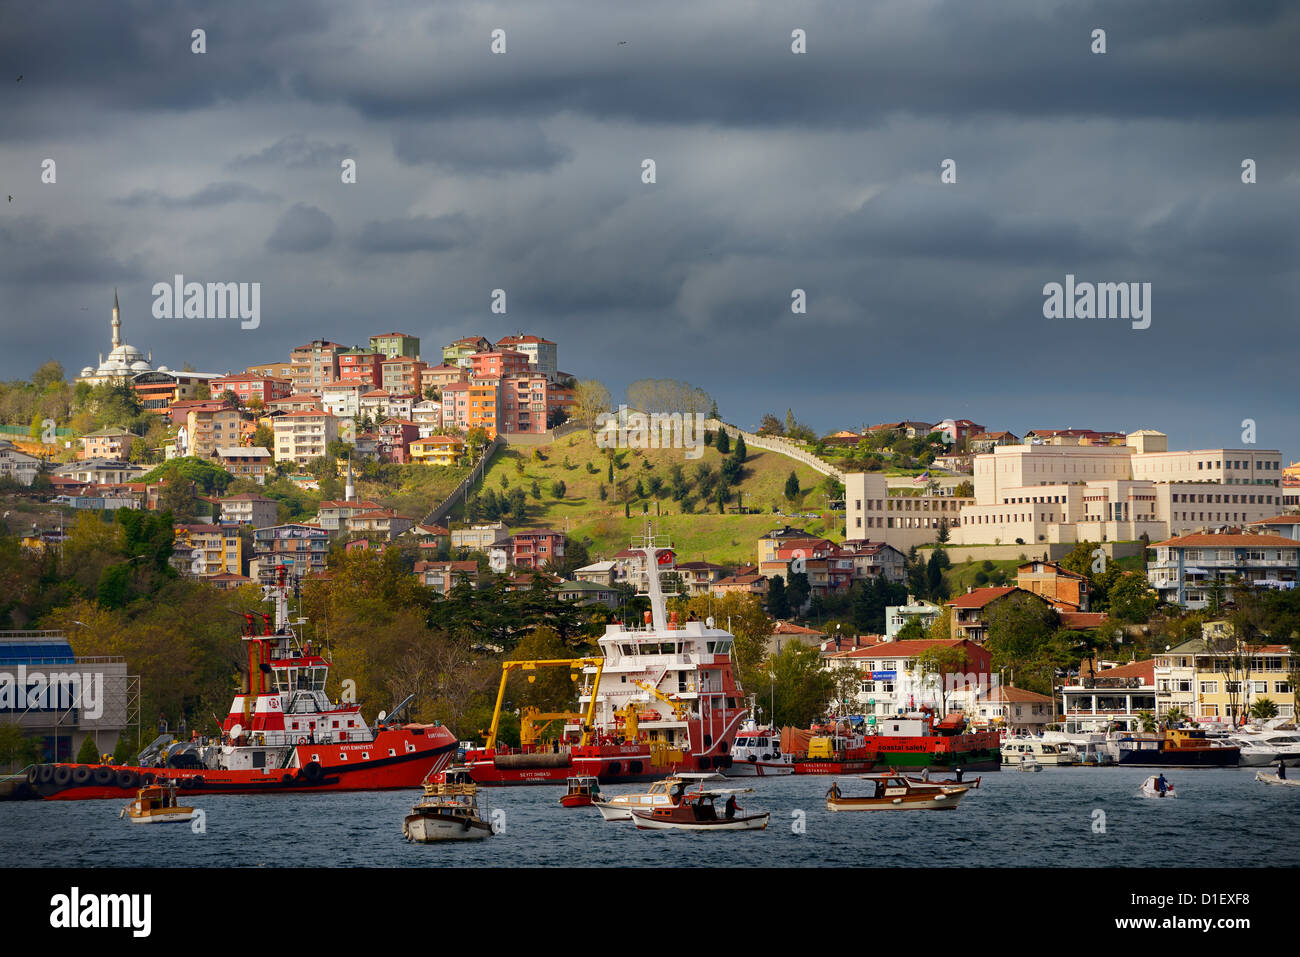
(282,734)
(662,698)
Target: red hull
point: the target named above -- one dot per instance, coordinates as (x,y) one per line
(609,763)
(833,767)
(397,758)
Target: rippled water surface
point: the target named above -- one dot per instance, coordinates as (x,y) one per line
(1221,817)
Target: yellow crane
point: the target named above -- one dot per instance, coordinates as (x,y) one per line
(679,709)
(573,664)
(531,718)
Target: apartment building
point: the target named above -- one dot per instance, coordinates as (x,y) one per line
(485,406)
(302,436)
(218,547)
(497,364)
(394,344)
(479,538)
(301,548)
(362,367)
(900,520)
(437,450)
(443,576)
(534,549)
(401,375)
(455,405)
(1189,569)
(458,352)
(211,425)
(245,461)
(249,508)
(543,354)
(247,387)
(440,376)
(315,364)
(109,443)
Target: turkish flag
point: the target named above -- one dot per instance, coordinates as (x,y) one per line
(666,557)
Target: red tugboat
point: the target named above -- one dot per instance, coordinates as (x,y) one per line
(662,698)
(282,734)
(913,740)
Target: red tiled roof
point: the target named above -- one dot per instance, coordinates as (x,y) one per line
(1075,620)
(982,596)
(786,628)
(1134,669)
(1201,540)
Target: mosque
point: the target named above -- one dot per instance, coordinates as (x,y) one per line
(124,363)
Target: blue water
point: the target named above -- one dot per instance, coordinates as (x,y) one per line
(1221,817)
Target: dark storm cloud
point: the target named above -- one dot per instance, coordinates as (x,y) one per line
(216,194)
(775,172)
(296,152)
(414,234)
(479,147)
(302,229)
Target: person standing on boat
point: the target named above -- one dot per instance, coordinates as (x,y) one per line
(957,772)
(731,806)
(1161,784)
(1281,768)
(925,773)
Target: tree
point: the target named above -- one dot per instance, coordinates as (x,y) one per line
(1263,709)
(740,453)
(803,688)
(591,400)
(1020,628)
(778,605)
(17,750)
(723,442)
(88,753)
(791,487)
(558,488)
(179,497)
(770,425)
(1131,599)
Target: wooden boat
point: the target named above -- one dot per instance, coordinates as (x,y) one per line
(156,804)
(972,783)
(1151,788)
(1274,779)
(660,794)
(897,792)
(584,791)
(447,811)
(696,812)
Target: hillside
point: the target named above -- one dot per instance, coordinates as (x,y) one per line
(601,525)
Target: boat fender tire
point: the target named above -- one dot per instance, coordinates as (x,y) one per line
(62,776)
(313,772)
(705,763)
(33,772)
(615,767)
(127,780)
(44,773)
(81,775)
(752,759)
(634,767)
(767,757)
(146,780)
(102,776)
(722,748)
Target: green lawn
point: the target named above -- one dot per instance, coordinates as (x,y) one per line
(726,539)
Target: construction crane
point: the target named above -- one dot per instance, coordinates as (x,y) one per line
(679,709)
(530,718)
(574,665)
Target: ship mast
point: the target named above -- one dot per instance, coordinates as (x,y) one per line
(649,549)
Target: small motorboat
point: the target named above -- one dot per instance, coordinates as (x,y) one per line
(584,791)
(447,811)
(897,792)
(1029,764)
(696,812)
(660,794)
(156,804)
(1152,788)
(1268,778)
(971,783)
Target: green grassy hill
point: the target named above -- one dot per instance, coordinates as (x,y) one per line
(601,525)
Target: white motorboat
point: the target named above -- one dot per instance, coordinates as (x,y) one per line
(447,811)
(665,793)
(1034,750)
(156,804)
(1151,788)
(1267,778)
(757,753)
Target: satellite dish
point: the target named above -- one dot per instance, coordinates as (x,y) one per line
(382,716)
(708,622)
(236,730)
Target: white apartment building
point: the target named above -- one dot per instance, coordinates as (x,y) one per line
(1027,494)
(543,354)
(303,436)
(1186,568)
(343,399)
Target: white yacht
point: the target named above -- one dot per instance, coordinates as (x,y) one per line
(1033,751)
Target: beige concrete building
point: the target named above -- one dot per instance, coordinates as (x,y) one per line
(302,436)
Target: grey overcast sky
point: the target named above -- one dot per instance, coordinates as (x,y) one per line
(775,171)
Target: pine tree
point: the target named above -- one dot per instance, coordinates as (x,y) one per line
(792,487)
(741,452)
